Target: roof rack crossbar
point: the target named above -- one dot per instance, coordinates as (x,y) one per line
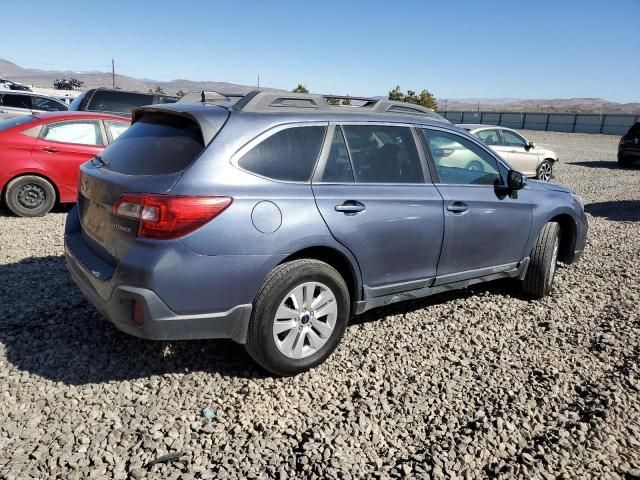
(273,101)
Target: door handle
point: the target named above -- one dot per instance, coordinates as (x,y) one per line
(458,207)
(3,111)
(49,149)
(350,207)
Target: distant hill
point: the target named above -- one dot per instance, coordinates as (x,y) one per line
(45,78)
(566,105)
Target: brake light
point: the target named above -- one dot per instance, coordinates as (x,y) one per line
(622,141)
(167,217)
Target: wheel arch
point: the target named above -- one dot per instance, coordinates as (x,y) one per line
(338,260)
(568,230)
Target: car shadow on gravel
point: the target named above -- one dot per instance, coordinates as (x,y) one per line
(505,287)
(617,211)
(48,329)
(600,164)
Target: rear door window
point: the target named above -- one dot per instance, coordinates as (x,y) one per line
(288,155)
(15,100)
(86,132)
(117,102)
(48,105)
(115,128)
(490,137)
(383,154)
(157,144)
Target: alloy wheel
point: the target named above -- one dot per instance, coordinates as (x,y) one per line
(305,320)
(544,172)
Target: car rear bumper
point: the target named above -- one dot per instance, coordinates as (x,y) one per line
(155,320)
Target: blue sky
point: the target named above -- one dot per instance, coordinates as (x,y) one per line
(456,49)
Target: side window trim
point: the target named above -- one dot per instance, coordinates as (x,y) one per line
(472,139)
(235,158)
(324,156)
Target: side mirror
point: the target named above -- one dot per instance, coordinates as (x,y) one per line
(516,180)
(531,145)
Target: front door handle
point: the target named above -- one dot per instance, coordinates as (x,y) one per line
(350,207)
(49,149)
(457,207)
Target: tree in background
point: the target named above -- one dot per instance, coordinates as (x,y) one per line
(346,101)
(158,90)
(300,89)
(181,93)
(425,98)
(333,101)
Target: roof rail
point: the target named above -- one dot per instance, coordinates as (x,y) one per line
(270,101)
(209,97)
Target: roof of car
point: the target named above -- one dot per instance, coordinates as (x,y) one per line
(273,107)
(27,92)
(476,126)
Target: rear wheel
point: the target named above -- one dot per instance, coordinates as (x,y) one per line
(545,171)
(298,317)
(623,162)
(30,196)
(475,166)
(538,281)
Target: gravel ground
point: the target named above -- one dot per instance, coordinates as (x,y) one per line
(476,383)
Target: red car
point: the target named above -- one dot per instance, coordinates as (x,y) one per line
(40,156)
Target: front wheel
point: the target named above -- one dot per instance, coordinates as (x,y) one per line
(298,317)
(30,196)
(538,281)
(545,171)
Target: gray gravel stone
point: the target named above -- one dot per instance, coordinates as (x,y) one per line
(467,384)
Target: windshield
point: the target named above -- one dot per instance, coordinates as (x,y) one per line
(16,121)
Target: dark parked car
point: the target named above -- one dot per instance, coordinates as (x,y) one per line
(117,102)
(273,221)
(629,147)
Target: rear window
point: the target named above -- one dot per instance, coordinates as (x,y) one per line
(16,121)
(117,102)
(157,144)
(634,131)
(288,155)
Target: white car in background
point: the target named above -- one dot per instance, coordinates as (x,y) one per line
(535,161)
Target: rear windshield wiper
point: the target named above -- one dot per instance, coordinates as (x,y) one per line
(99,161)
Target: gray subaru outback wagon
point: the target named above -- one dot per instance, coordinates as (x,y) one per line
(273,220)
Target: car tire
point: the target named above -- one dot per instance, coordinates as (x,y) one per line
(622,161)
(545,171)
(538,280)
(30,196)
(289,345)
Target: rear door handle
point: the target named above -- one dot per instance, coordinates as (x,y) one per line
(50,150)
(350,207)
(457,207)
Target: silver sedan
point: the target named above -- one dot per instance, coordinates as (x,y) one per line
(535,161)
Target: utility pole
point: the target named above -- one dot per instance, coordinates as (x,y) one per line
(258,81)
(113,73)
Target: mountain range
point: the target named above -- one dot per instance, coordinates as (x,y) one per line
(45,78)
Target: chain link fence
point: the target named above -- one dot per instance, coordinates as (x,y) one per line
(610,124)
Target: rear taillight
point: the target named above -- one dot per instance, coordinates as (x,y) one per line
(166,217)
(622,141)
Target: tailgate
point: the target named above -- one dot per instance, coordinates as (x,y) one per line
(149,157)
